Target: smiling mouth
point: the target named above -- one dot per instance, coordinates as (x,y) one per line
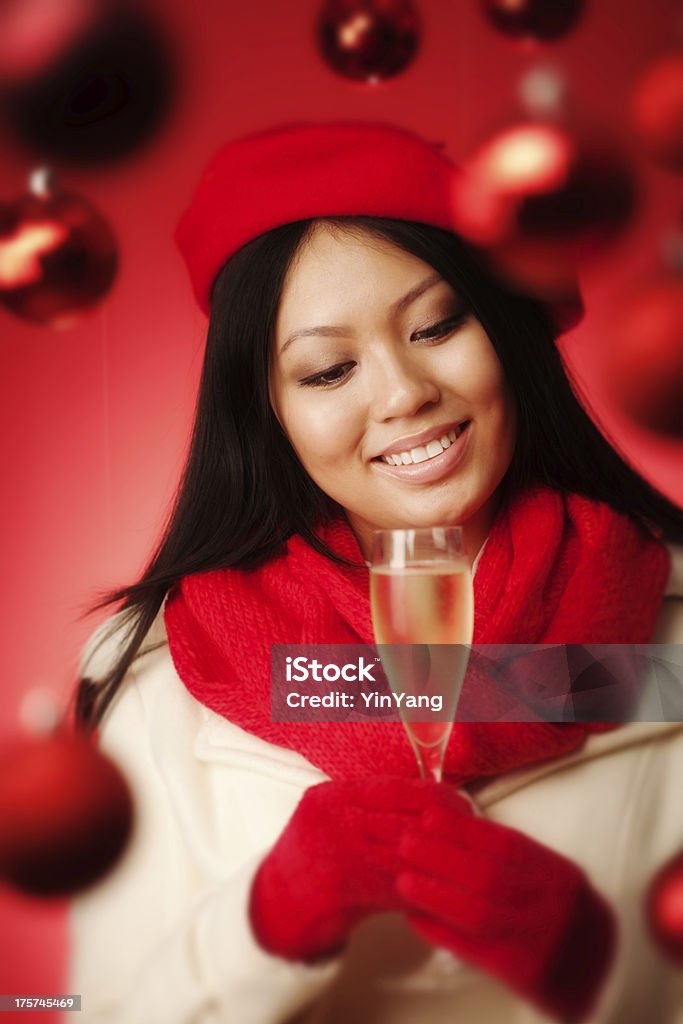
(425,453)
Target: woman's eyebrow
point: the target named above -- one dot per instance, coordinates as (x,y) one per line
(330,331)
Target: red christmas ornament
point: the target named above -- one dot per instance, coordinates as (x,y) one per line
(104,95)
(657,111)
(33,34)
(543,201)
(533,19)
(57,257)
(664,908)
(66,814)
(644,355)
(368,40)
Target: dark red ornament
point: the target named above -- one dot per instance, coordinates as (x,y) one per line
(543,201)
(643,354)
(104,97)
(543,20)
(368,40)
(58,257)
(657,110)
(664,908)
(66,814)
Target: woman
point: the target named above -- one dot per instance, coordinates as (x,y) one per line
(300,871)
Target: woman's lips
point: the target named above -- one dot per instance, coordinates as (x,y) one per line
(432,469)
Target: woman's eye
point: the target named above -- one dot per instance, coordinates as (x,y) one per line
(442,329)
(327,378)
(337,374)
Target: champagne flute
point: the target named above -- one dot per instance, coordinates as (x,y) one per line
(422,603)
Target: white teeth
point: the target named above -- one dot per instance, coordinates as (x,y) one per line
(424,452)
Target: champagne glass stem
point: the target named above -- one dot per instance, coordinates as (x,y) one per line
(430,760)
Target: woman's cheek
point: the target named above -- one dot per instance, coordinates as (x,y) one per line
(321,432)
(491,396)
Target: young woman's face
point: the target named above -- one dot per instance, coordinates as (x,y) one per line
(390,393)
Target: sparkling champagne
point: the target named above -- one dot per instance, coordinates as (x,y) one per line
(423,616)
(422,604)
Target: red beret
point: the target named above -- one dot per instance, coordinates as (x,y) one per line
(302,170)
(309,170)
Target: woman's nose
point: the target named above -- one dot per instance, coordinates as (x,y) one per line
(400,388)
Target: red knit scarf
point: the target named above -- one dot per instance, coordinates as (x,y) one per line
(555,569)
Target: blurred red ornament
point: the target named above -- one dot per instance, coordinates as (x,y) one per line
(644,355)
(368,40)
(34,33)
(657,110)
(543,20)
(57,257)
(664,908)
(543,201)
(104,95)
(66,814)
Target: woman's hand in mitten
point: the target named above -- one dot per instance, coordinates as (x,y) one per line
(334,863)
(508,905)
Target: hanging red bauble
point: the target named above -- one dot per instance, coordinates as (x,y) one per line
(66,814)
(57,257)
(664,908)
(542,20)
(106,94)
(368,40)
(643,355)
(657,110)
(543,201)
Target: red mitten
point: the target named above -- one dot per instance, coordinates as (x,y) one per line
(508,905)
(335,863)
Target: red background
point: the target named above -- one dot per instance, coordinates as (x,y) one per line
(94,420)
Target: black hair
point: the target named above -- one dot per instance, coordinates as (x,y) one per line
(243,491)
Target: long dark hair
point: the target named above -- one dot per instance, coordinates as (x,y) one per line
(243,491)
